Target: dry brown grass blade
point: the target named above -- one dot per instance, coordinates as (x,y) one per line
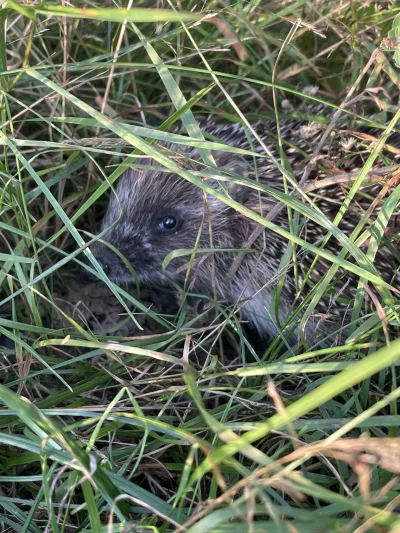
(368,450)
(373,139)
(227,32)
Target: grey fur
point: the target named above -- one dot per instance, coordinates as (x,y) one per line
(148,195)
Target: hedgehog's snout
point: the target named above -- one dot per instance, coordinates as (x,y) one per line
(109,261)
(133,248)
(105,264)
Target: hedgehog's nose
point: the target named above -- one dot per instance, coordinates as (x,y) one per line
(104,265)
(100,253)
(88,276)
(85,274)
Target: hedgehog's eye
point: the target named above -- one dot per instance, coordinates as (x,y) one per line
(168,223)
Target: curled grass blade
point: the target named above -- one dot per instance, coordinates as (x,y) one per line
(106,346)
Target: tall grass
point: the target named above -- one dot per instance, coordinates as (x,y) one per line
(147,420)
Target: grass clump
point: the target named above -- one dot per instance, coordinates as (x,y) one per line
(120,413)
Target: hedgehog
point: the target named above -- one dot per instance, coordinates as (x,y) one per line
(231,256)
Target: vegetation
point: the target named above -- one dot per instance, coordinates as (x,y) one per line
(106,430)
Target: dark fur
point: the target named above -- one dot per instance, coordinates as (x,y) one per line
(146,196)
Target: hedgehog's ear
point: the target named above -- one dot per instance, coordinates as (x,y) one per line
(230,170)
(236,191)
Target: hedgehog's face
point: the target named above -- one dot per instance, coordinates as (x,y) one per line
(160,213)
